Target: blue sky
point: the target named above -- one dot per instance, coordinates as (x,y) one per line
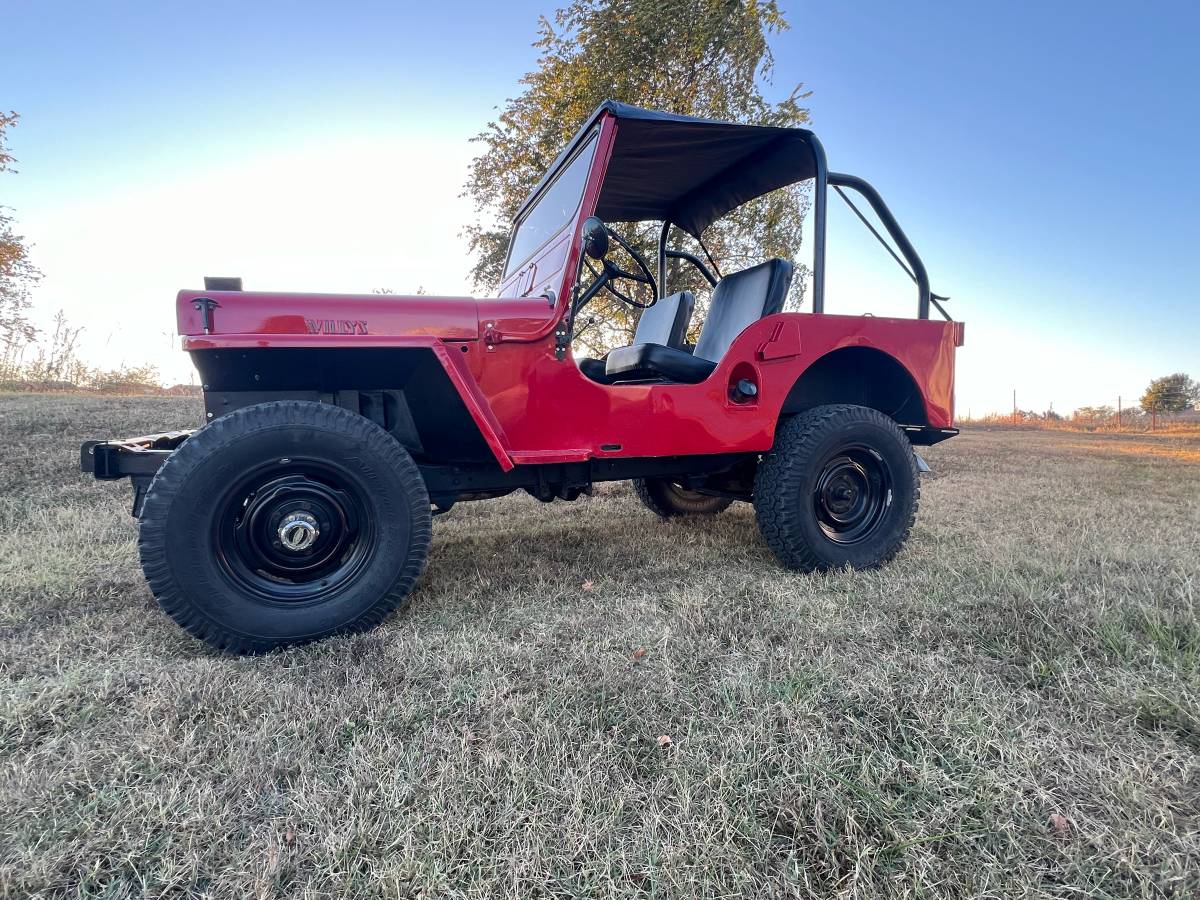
(1040,156)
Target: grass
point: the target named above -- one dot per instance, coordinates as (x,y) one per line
(585,702)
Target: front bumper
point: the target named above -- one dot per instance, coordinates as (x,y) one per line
(137,459)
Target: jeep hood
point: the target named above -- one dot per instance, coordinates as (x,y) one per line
(342,316)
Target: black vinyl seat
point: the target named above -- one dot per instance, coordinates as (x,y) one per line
(665,323)
(739,299)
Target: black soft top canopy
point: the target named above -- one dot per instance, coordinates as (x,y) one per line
(690,171)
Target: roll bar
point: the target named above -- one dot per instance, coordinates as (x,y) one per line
(916,267)
(664,254)
(823,180)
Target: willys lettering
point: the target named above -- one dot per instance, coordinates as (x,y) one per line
(336,326)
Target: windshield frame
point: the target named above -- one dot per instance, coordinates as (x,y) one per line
(587,145)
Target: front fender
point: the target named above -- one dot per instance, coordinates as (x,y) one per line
(441,398)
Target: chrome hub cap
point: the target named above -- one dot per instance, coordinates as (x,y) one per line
(295,531)
(298,531)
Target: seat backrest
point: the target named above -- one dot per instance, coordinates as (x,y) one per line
(666,321)
(739,299)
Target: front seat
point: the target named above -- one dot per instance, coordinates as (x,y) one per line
(739,299)
(665,322)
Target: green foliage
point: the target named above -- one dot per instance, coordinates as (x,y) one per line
(17,273)
(698,57)
(1171,394)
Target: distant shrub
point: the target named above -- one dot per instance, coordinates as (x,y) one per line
(53,366)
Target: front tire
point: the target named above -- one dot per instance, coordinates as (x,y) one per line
(284,523)
(840,487)
(668,500)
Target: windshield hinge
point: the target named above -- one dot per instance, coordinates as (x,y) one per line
(491,336)
(562,337)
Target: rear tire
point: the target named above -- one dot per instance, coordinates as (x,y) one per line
(840,487)
(666,499)
(284,523)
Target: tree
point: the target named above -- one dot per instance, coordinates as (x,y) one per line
(1095,414)
(1171,394)
(706,58)
(17,273)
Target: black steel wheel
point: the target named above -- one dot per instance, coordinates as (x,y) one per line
(295,531)
(284,523)
(840,487)
(852,494)
(667,499)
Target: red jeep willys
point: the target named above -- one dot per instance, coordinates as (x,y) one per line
(337,425)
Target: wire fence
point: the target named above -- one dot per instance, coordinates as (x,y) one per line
(1119,416)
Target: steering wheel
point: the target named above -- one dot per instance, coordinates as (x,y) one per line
(611,272)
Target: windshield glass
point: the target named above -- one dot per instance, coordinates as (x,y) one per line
(556,206)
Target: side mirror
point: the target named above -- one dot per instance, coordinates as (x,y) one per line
(594,238)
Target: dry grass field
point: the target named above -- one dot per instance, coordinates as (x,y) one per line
(585,702)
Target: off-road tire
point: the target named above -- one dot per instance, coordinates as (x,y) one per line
(186,558)
(788,500)
(666,499)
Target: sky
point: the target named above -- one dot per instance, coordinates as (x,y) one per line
(1041,157)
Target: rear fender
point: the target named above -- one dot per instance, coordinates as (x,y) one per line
(901,367)
(864,376)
